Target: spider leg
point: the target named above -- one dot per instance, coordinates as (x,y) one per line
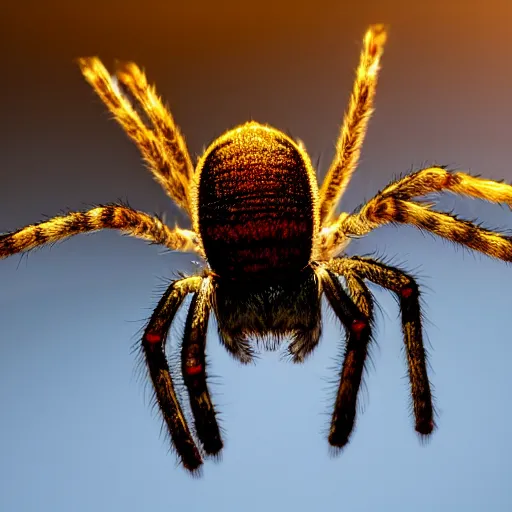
(407,293)
(113,216)
(193,365)
(389,210)
(170,170)
(357,326)
(134,79)
(359,293)
(355,123)
(153,348)
(438,179)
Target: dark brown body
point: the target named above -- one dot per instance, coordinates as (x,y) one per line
(256,204)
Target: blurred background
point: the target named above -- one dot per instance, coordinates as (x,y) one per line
(77,430)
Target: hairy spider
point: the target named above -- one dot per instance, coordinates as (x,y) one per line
(273,245)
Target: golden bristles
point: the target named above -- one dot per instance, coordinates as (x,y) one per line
(161,143)
(355,123)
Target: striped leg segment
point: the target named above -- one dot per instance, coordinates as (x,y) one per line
(357,326)
(389,210)
(438,179)
(193,365)
(407,293)
(153,347)
(128,221)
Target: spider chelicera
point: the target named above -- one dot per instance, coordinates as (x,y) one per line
(273,246)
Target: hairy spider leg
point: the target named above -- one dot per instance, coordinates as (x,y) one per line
(358,330)
(153,348)
(193,365)
(134,79)
(438,179)
(390,210)
(407,293)
(161,164)
(359,293)
(355,123)
(113,216)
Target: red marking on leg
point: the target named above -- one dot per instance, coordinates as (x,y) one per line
(151,337)
(358,326)
(194,370)
(406,292)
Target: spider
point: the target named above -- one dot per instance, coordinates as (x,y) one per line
(273,246)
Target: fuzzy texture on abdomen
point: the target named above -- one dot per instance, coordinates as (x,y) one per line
(255,204)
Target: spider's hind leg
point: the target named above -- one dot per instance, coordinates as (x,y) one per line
(153,348)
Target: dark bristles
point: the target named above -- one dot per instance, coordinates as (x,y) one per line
(193,368)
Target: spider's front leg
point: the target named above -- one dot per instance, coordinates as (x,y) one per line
(358,328)
(193,365)
(153,348)
(407,293)
(112,216)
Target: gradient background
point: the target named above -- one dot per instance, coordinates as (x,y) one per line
(77,432)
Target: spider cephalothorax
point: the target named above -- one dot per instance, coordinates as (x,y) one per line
(272,245)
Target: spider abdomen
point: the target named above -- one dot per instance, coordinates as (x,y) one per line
(256,203)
